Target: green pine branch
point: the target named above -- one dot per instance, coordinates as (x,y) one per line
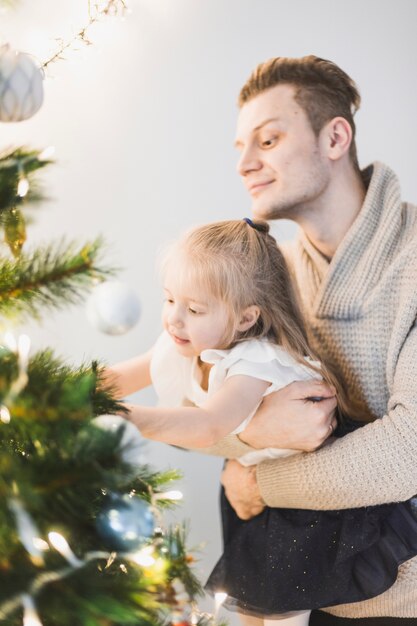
(50,277)
(14,164)
(179,560)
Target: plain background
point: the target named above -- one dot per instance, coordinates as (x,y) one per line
(143,125)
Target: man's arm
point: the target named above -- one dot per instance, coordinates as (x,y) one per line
(285,419)
(373,465)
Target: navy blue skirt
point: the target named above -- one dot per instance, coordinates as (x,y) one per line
(319,618)
(287,560)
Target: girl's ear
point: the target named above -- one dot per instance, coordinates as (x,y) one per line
(249,317)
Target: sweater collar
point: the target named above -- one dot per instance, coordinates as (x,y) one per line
(338,288)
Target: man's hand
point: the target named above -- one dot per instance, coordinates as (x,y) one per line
(289,418)
(242,489)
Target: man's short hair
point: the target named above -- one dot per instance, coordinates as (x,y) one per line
(322,90)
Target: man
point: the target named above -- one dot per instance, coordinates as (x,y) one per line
(355,264)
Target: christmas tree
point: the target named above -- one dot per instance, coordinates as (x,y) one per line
(81,534)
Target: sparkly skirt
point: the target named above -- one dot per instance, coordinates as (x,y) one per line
(286,560)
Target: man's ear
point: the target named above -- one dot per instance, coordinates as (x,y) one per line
(249,317)
(337,135)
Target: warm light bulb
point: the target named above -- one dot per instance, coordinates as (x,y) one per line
(30,614)
(59,542)
(219,598)
(169,495)
(61,545)
(10,341)
(23,347)
(46,154)
(4,414)
(143,557)
(22,187)
(40,544)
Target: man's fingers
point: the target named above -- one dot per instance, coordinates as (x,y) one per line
(247,514)
(242,490)
(311,388)
(324,410)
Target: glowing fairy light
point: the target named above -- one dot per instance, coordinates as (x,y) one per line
(30,614)
(27,530)
(169,495)
(40,544)
(22,187)
(4,414)
(144,557)
(10,341)
(61,545)
(23,349)
(46,154)
(219,598)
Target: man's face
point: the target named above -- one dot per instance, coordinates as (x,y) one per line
(282,163)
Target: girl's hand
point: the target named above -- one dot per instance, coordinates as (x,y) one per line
(242,489)
(290,418)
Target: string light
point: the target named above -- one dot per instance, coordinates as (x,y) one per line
(46,154)
(219,598)
(30,614)
(10,341)
(40,544)
(61,545)
(4,414)
(22,187)
(21,348)
(27,530)
(169,495)
(144,557)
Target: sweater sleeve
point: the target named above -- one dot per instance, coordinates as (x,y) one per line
(230,447)
(375,464)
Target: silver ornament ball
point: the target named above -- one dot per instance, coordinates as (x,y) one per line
(126,523)
(131,443)
(21,85)
(113,308)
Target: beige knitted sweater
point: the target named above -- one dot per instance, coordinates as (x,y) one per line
(361,309)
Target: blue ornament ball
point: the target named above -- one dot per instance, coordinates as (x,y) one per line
(126,522)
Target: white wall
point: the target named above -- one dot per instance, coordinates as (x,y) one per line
(143,125)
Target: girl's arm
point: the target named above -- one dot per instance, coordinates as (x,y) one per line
(199,427)
(129,376)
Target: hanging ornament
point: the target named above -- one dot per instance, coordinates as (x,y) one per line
(15,231)
(131,443)
(21,85)
(113,308)
(126,522)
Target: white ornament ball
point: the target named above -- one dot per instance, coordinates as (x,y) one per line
(21,85)
(113,308)
(131,443)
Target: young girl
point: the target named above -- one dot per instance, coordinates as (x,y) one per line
(233,333)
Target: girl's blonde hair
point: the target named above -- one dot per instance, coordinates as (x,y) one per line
(240,264)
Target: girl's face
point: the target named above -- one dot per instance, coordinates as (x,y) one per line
(194,321)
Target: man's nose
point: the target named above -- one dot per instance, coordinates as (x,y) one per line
(248,162)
